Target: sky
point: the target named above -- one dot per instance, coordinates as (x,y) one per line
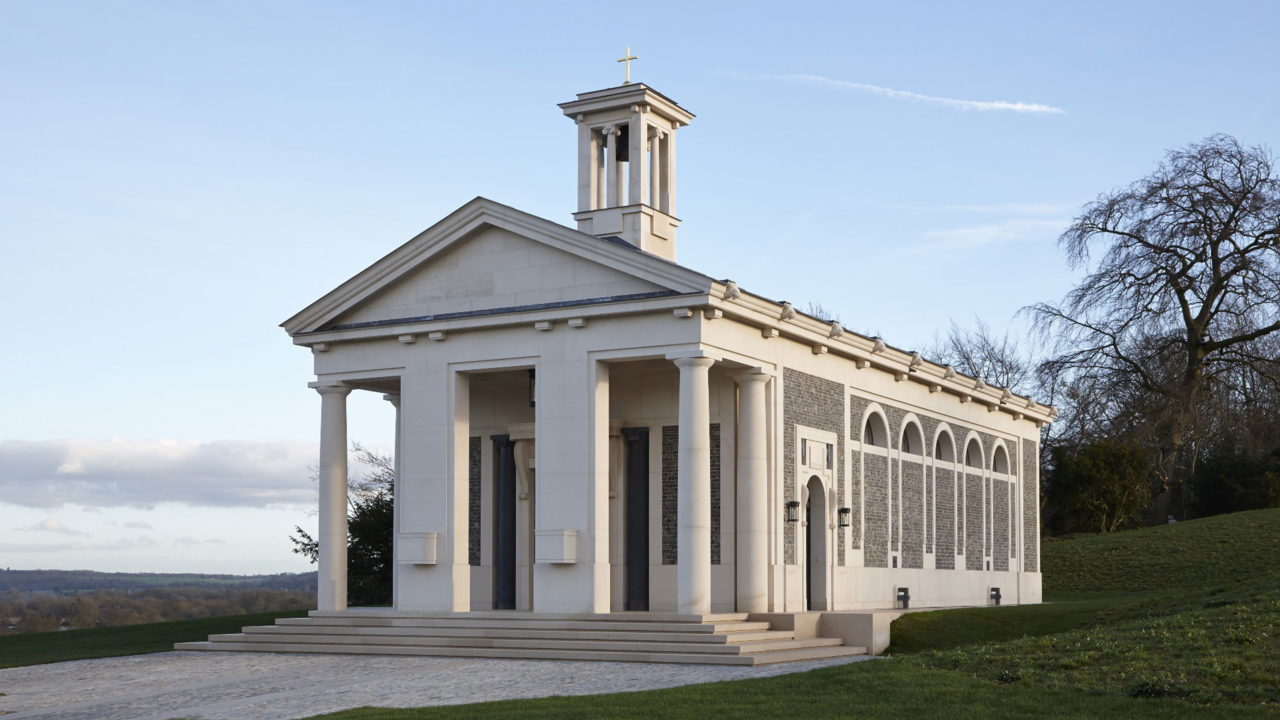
(178,178)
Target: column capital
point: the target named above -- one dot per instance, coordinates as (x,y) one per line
(754,376)
(330,389)
(693,362)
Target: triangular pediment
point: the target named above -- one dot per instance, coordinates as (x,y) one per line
(487,257)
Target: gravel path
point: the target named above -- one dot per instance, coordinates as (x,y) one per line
(268,686)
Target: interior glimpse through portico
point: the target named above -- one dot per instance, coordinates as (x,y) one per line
(500,500)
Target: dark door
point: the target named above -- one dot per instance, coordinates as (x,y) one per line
(808,554)
(504,523)
(636,522)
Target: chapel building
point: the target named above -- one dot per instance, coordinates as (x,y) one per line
(585,426)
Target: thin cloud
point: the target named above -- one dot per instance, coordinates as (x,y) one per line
(120,473)
(53,526)
(956,104)
(988,208)
(118,545)
(137,525)
(188,541)
(978,236)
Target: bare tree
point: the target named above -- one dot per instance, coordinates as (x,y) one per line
(979,353)
(819,311)
(1185,284)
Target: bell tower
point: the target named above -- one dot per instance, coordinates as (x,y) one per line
(627,165)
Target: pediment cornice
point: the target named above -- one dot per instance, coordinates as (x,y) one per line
(463,222)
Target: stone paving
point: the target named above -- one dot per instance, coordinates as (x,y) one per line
(269,686)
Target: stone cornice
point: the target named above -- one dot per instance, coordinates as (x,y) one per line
(624,95)
(510,319)
(868,352)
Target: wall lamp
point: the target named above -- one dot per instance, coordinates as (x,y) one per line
(792,511)
(846,517)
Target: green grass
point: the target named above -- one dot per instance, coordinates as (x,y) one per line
(1216,552)
(888,690)
(39,648)
(1190,611)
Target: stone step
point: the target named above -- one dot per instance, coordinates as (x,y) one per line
(521,614)
(519,643)
(823,653)
(772,646)
(525,633)
(529,623)
(536,654)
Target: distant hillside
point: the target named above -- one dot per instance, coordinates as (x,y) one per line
(1223,550)
(75,581)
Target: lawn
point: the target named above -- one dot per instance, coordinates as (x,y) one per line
(881,690)
(38,648)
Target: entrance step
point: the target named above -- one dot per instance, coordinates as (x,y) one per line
(529,622)
(725,638)
(603,634)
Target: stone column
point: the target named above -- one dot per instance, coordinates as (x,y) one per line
(693,530)
(332,538)
(668,205)
(588,156)
(613,169)
(617,500)
(753,479)
(525,451)
(637,162)
(394,399)
(655,167)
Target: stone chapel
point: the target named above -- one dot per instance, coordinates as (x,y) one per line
(585,426)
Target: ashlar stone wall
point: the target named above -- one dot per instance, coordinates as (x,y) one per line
(671,493)
(1031,506)
(900,498)
(817,403)
(912,514)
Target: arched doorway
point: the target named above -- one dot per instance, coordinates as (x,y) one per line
(815,546)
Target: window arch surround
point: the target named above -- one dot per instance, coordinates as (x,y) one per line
(875,429)
(1000,460)
(944,445)
(973,454)
(912,441)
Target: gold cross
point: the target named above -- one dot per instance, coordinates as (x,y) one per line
(629,57)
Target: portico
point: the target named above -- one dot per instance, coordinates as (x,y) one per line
(531,542)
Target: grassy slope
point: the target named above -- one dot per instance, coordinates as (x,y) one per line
(1210,554)
(1189,611)
(37,648)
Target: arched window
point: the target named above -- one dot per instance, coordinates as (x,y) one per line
(912,439)
(875,432)
(945,447)
(1000,463)
(973,454)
